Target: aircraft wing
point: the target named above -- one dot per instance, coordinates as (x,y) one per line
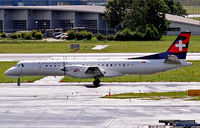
(80,71)
(95,71)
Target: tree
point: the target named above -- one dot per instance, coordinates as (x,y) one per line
(147,12)
(116,11)
(175,8)
(136,14)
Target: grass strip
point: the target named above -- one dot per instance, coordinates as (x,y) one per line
(21,46)
(154,96)
(192,9)
(195,18)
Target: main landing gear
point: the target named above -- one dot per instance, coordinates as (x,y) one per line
(18,82)
(96,82)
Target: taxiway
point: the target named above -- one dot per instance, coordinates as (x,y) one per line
(77,105)
(22,57)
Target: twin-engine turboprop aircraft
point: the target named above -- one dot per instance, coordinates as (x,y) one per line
(173,58)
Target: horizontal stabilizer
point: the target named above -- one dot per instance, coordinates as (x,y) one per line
(172,59)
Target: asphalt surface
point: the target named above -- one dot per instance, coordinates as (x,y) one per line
(77,105)
(47,56)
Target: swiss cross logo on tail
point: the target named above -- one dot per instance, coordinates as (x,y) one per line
(180,45)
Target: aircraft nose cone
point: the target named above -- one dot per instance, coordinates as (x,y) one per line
(7,72)
(10,72)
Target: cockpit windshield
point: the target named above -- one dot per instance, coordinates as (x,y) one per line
(19,65)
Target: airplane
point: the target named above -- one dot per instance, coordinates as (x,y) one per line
(173,58)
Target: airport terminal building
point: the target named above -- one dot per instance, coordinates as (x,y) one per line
(50,2)
(19,18)
(22,18)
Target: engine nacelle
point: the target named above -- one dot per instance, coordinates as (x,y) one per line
(78,72)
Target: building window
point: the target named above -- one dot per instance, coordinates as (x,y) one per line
(1,26)
(174,29)
(90,25)
(19,25)
(66,24)
(42,24)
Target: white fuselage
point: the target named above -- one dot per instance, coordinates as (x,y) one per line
(74,68)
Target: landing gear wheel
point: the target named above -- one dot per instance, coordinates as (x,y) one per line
(18,82)
(96,82)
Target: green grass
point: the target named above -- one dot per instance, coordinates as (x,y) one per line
(196,18)
(189,2)
(20,46)
(4,79)
(192,9)
(185,74)
(154,96)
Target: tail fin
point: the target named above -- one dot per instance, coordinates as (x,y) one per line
(179,48)
(180,45)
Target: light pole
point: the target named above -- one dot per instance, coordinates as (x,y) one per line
(36,22)
(45,24)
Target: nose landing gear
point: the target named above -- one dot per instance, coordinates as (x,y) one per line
(18,82)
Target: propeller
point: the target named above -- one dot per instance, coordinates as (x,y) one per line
(64,69)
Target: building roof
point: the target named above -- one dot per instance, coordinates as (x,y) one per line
(76,8)
(181,19)
(96,9)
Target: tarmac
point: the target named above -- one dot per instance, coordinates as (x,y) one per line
(68,56)
(79,105)
(49,104)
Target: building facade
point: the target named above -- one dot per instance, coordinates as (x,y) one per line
(179,24)
(21,18)
(90,18)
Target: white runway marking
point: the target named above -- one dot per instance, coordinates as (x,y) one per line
(99,47)
(49,80)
